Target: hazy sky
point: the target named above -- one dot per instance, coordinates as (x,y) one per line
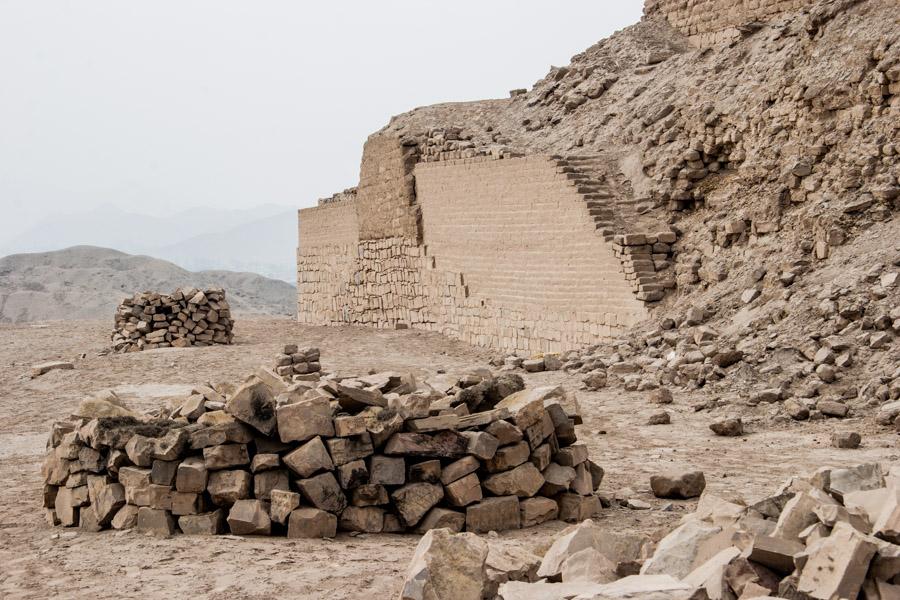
(153,106)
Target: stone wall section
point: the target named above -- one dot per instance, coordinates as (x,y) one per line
(329,240)
(523,265)
(510,258)
(712,22)
(386,196)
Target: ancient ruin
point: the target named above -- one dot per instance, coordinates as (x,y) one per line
(182,319)
(612,190)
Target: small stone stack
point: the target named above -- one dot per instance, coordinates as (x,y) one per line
(184,318)
(298,364)
(643,256)
(380,453)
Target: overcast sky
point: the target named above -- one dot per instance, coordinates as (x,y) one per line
(154,106)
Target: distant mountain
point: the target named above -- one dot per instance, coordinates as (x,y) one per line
(87,282)
(261,239)
(265,246)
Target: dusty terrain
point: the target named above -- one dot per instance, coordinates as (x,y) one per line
(39,562)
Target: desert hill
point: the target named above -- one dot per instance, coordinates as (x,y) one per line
(87,282)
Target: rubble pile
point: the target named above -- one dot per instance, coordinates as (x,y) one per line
(832,361)
(378,453)
(832,534)
(184,318)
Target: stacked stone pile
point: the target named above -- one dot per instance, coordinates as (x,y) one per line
(831,534)
(189,317)
(380,453)
(298,364)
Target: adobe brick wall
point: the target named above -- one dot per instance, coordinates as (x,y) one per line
(711,22)
(329,236)
(510,259)
(519,240)
(386,194)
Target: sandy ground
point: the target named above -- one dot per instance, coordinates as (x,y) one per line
(37,561)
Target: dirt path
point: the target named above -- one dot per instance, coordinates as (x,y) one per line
(37,561)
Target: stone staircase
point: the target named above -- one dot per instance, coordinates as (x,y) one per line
(644,254)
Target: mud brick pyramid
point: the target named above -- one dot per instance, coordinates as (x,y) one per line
(380,453)
(184,318)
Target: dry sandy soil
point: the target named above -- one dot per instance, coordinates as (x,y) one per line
(37,561)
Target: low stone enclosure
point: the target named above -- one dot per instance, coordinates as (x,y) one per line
(529,253)
(181,319)
(380,453)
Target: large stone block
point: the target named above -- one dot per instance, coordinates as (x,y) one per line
(211,523)
(304,420)
(493,514)
(413,500)
(227,487)
(312,523)
(523,481)
(249,517)
(323,492)
(310,458)
(254,404)
(155,521)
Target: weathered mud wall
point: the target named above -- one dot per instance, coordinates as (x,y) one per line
(710,22)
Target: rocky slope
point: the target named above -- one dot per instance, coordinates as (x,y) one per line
(775,161)
(85,282)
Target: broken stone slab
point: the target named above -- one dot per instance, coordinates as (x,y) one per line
(155,521)
(428,471)
(523,481)
(537,510)
(459,469)
(309,459)
(254,404)
(312,523)
(508,457)
(442,518)
(482,445)
(370,495)
(283,503)
(348,449)
(837,565)
(323,492)
(774,553)
(387,470)
(43,368)
(588,565)
(676,552)
(447,566)
(493,514)
(464,491)
(304,420)
(211,523)
(681,485)
(368,519)
(226,456)
(575,507)
(413,500)
(227,487)
(249,517)
(191,475)
(847,440)
(354,399)
(799,513)
(266,482)
(445,444)
(126,517)
(711,574)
